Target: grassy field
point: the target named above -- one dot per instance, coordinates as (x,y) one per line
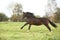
(12,31)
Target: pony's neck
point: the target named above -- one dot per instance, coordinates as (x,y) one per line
(31,17)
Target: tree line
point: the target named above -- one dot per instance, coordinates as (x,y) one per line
(17,18)
(17,11)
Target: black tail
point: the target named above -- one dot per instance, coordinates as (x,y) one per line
(54,25)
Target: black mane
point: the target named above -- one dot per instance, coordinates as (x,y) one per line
(31,14)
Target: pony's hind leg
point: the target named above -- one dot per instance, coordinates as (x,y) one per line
(24,25)
(48,27)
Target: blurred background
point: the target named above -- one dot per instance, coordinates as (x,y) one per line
(11,10)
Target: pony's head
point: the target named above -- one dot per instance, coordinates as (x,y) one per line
(27,14)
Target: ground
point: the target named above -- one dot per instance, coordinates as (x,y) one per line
(12,31)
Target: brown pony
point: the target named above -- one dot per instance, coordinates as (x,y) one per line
(32,20)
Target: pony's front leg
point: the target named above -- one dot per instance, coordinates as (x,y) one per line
(29,27)
(24,25)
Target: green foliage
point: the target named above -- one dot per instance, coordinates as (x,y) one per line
(16,18)
(3,17)
(57,15)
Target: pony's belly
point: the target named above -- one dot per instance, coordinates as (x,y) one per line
(36,23)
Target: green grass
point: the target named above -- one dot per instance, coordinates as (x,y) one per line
(12,31)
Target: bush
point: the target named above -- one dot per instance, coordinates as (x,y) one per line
(16,18)
(3,17)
